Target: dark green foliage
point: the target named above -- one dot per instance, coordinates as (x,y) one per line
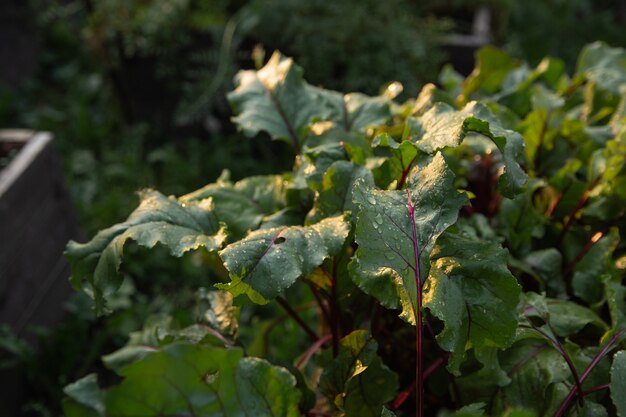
(328,39)
(505,262)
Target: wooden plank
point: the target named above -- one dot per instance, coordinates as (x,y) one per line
(36,221)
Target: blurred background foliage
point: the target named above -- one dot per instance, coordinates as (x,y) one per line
(134,90)
(134,93)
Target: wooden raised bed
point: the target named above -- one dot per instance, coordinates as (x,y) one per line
(36,221)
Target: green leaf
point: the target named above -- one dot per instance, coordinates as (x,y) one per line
(546,264)
(158,219)
(160,330)
(472,291)
(451,80)
(203,381)
(618,382)
(357,381)
(266,390)
(471,410)
(289,216)
(520,87)
(586,280)
(269,261)
(520,221)
(492,66)
(394,169)
(220,313)
(442,127)
(565,317)
(591,409)
(615,293)
(387,413)
(533,368)
(84,398)
(604,65)
(276,100)
(491,370)
(322,149)
(243,206)
(519,413)
(538,135)
(384,265)
(126,355)
(336,193)
(428,97)
(355,112)
(568,317)
(618,118)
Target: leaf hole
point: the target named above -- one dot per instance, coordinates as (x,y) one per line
(279,240)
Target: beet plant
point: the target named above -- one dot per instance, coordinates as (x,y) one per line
(455,254)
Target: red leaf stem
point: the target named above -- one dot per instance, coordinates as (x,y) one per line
(559,347)
(594,239)
(294,315)
(579,205)
(405,173)
(405,393)
(596,389)
(317,345)
(321,304)
(419,352)
(594,362)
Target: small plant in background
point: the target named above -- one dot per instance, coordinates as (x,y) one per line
(458,251)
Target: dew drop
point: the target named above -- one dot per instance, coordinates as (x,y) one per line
(390,256)
(371,200)
(375,225)
(379,219)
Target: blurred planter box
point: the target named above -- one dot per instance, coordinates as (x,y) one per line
(36,221)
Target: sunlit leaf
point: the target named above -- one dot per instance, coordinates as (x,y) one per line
(336,193)
(385,263)
(276,100)
(269,261)
(472,291)
(442,126)
(243,205)
(158,219)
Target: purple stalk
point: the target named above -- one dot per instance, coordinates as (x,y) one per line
(559,347)
(405,173)
(306,356)
(294,315)
(419,352)
(594,362)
